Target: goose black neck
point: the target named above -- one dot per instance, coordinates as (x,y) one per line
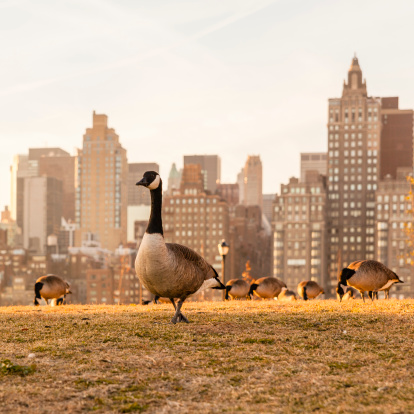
(155,221)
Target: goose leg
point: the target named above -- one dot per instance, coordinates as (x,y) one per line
(178,317)
(371,295)
(362,295)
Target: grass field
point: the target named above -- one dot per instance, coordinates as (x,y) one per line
(258,356)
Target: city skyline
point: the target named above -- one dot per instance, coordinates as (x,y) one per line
(209,80)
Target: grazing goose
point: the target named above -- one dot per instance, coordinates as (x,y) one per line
(59,301)
(266,287)
(366,276)
(349,294)
(50,287)
(286,294)
(237,288)
(308,289)
(170,270)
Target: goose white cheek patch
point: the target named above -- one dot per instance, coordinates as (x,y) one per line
(155,183)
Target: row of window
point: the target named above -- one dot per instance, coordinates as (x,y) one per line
(190,201)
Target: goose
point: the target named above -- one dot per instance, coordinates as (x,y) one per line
(50,287)
(308,289)
(349,294)
(366,276)
(170,270)
(286,294)
(266,287)
(237,288)
(59,301)
(374,295)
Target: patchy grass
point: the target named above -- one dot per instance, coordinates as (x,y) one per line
(258,356)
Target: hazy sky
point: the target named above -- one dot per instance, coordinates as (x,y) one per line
(227,77)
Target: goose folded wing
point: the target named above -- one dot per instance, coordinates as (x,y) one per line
(191,257)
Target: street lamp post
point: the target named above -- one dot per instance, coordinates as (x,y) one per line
(223,249)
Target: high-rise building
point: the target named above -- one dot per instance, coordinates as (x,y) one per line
(39,211)
(299,231)
(354,128)
(101,186)
(138,195)
(240,182)
(60,165)
(268,200)
(192,179)
(20,168)
(391,239)
(174,180)
(229,193)
(252,171)
(210,167)
(396,137)
(312,161)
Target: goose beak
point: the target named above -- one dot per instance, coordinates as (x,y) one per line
(143,182)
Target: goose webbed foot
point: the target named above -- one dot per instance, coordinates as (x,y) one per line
(178,316)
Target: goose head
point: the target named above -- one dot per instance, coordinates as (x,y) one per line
(340,292)
(151,180)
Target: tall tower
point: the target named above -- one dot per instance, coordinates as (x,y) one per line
(210,167)
(354,128)
(101,190)
(253,194)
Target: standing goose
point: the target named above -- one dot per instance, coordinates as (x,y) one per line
(50,287)
(366,276)
(266,287)
(170,270)
(237,288)
(308,289)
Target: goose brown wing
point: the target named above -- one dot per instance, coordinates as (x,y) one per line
(192,258)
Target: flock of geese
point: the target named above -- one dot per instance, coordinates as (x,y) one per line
(174,271)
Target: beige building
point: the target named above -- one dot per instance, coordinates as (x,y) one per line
(299,231)
(354,128)
(20,168)
(252,182)
(210,168)
(313,161)
(39,210)
(391,241)
(101,186)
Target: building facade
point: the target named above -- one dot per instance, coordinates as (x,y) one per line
(313,161)
(396,138)
(253,182)
(101,186)
(210,168)
(393,219)
(354,128)
(60,165)
(229,193)
(39,210)
(299,232)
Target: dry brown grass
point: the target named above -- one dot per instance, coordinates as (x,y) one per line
(259,356)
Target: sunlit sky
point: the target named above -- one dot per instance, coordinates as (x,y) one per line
(227,77)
